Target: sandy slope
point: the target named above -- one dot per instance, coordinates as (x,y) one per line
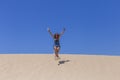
(71,67)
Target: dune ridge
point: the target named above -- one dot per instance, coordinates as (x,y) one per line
(69,67)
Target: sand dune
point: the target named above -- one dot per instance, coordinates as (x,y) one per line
(69,67)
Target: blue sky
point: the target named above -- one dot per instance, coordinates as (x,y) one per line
(92,26)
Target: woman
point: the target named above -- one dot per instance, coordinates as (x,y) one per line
(56,38)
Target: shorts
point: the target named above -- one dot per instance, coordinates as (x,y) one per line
(56,46)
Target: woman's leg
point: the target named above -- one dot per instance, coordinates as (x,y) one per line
(56,50)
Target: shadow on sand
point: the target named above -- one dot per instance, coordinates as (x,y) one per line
(63,62)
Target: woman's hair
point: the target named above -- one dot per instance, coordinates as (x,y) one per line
(56,36)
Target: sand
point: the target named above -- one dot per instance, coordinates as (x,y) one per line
(69,67)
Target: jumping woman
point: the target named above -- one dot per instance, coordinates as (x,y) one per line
(56,38)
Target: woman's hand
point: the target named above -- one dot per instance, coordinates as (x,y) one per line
(48,29)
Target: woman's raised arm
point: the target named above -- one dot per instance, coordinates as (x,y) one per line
(48,29)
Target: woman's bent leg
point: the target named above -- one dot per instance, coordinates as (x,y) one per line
(56,50)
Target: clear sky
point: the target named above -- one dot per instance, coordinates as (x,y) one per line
(92,26)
